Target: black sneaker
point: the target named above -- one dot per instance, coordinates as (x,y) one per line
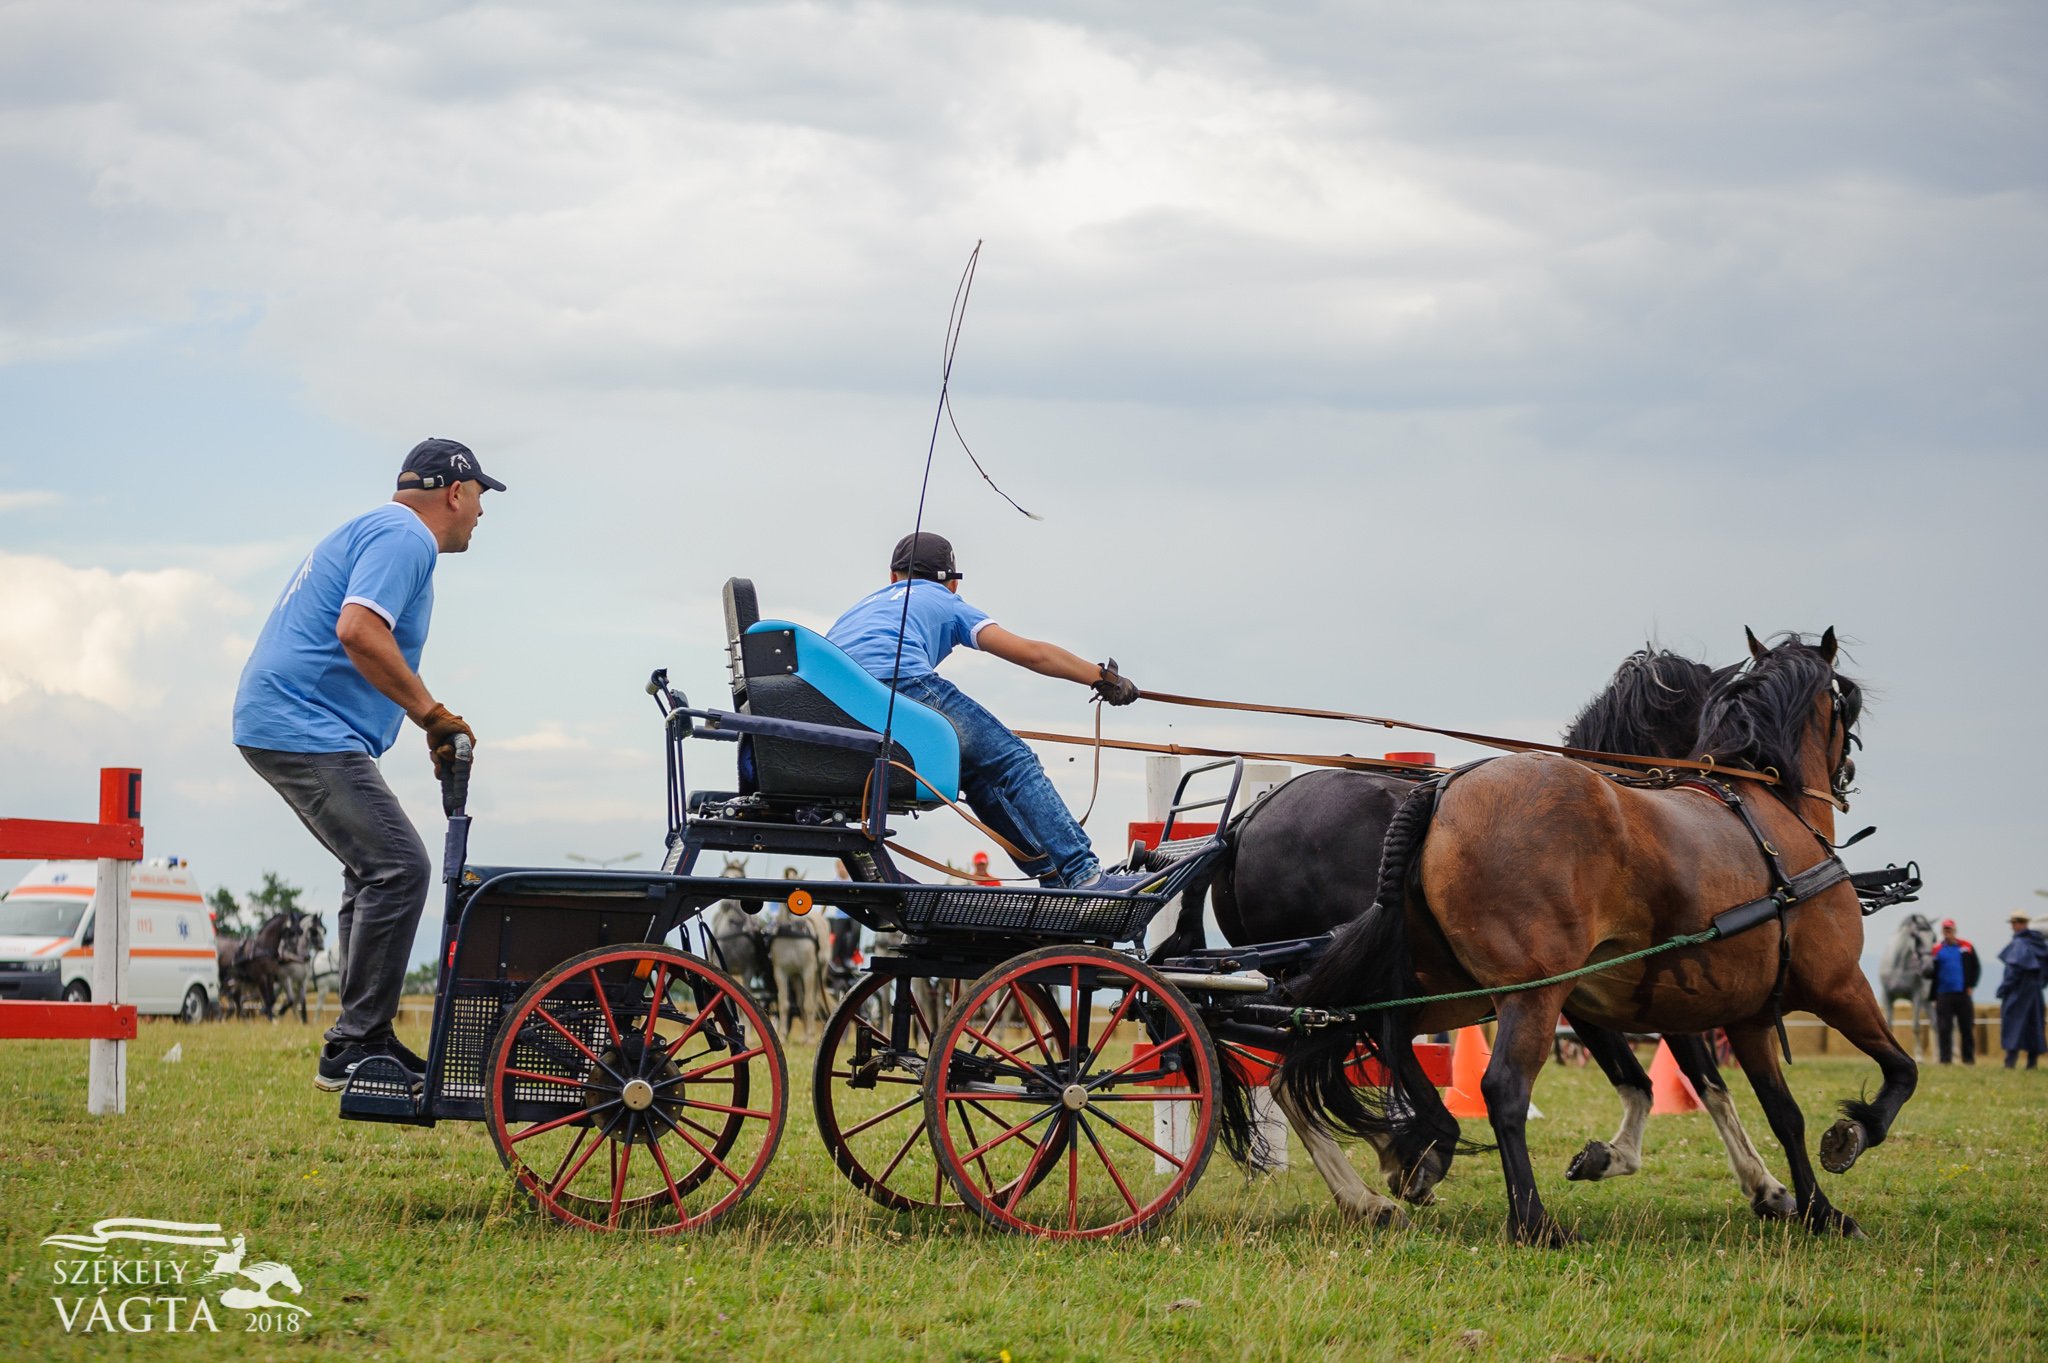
(403,1054)
(338,1060)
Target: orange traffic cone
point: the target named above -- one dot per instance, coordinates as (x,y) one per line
(1670,1090)
(1468,1066)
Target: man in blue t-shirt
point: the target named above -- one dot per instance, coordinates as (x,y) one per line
(1954,970)
(1002,779)
(333,678)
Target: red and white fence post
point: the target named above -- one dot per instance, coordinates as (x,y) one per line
(108,1022)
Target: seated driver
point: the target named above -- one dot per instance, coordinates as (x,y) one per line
(1001,778)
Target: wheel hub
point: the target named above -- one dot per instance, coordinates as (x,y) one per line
(638,1095)
(1074,1097)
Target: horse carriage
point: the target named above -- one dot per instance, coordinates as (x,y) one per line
(1010,1048)
(1010,1051)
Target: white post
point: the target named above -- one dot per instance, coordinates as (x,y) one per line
(1260,780)
(107,1073)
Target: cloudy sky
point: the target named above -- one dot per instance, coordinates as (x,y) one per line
(1419,360)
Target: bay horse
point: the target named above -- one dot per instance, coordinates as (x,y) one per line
(1523,868)
(1291,869)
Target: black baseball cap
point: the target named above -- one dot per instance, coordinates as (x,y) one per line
(435,462)
(925,555)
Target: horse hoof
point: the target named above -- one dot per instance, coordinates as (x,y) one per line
(1842,1146)
(1774,1203)
(1591,1163)
(1833,1221)
(1386,1216)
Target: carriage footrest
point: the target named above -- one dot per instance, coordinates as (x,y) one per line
(381,1090)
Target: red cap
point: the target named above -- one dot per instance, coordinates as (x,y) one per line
(981,858)
(1948,922)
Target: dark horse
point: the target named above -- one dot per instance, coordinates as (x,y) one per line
(1527,867)
(258,960)
(1292,870)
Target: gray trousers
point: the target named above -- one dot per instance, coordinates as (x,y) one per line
(385,875)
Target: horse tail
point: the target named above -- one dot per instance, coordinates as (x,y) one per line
(1370,961)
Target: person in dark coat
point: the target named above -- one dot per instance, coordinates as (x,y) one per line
(1954,970)
(2019,993)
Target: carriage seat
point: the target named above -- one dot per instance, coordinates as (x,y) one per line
(784,671)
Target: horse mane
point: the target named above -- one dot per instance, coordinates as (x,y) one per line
(1757,716)
(1651,706)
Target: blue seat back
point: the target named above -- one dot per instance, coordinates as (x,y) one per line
(790,672)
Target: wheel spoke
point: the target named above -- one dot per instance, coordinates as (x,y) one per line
(850,1132)
(981,1161)
(688,1032)
(727,1108)
(1107,1163)
(1028,1179)
(1137,1058)
(655,998)
(610,1022)
(1167,1155)
(730,1060)
(1073,1182)
(675,1194)
(901,1151)
(1006,1054)
(543,1078)
(1009,1133)
(578,1115)
(1074,1028)
(1037,1037)
(1109,1029)
(549,1018)
(569,1154)
(700,1148)
(555,1190)
(620,1162)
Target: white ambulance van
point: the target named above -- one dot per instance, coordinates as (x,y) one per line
(46,938)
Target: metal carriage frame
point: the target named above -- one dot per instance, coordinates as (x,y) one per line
(563,1014)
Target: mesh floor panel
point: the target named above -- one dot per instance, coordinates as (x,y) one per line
(1105,918)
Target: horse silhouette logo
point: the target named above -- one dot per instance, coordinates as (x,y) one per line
(266,1275)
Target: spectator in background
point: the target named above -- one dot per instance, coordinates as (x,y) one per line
(1954,970)
(2019,993)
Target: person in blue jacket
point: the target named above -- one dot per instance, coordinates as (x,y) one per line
(333,678)
(2019,993)
(1954,970)
(1002,779)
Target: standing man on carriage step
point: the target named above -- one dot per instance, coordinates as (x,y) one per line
(1003,781)
(332,680)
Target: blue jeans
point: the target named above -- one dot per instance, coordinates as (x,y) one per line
(1007,788)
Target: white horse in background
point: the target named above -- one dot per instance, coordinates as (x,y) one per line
(1905,976)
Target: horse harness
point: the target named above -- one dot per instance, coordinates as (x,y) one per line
(1787,891)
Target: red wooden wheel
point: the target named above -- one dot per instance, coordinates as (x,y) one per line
(869,1097)
(636,1088)
(1121,1113)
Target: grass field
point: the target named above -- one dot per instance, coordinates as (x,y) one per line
(410,1244)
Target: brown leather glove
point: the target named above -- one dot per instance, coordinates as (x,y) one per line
(1113,687)
(442,727)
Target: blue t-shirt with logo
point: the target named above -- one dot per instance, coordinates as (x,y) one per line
(939,621)
(299,691)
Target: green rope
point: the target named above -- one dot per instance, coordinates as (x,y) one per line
(1691,939)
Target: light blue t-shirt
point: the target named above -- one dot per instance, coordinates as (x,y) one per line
(939,622)
(299,691)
